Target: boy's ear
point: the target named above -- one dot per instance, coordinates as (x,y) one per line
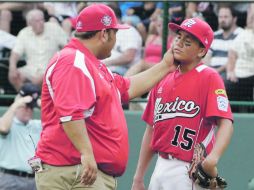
(202,52)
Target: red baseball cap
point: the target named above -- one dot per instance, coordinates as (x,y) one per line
(97,17)
(198,28)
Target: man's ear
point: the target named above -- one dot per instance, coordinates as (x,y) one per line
(104,35)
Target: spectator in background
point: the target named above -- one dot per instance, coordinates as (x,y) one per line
(176,12)
(19,135)
(240,66)
(151,56)
(144,15)
(241,9)
(124,6)
(152,51)
(127,49)
(14,11)
(203,10)
(37,42)
(176,15)
(61,12)
(6,40)
(217,56)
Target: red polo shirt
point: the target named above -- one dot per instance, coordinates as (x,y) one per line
(78,86)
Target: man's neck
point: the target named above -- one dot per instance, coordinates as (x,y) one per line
(227,33)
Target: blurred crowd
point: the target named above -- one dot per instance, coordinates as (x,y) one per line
(32,32)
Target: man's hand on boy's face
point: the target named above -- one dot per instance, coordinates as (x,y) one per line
(169,59)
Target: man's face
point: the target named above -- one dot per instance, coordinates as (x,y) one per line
(186,47)
(225,19)
(37,24)
(109,43)
(24,114)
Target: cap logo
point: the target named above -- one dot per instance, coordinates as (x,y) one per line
(206,41)
(106,20)
(189,23)
(79,25)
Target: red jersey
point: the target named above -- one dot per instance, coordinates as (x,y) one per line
(182,111)
(78,86)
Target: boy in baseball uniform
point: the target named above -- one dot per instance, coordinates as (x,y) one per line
(183,110)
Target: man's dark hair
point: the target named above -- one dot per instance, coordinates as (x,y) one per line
(89,34)
(228,6)
(85,35)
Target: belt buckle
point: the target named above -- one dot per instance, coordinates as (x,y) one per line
(170,157)
(166,156)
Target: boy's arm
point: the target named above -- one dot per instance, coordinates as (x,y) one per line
(223,138)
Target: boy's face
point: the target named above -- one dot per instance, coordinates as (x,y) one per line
(186,48)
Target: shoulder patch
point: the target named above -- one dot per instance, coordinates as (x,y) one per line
(201,68)
(221,92)
(222,103)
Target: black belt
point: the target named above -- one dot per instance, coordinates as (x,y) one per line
(166,155)
(17,173)
(105,168)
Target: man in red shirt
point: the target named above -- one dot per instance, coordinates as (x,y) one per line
(84,142)
(177,119)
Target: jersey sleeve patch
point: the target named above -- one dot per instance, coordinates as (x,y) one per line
(220,92)
(222,103)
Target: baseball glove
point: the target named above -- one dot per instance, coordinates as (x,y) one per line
(197,173)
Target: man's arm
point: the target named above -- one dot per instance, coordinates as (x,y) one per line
(124,59)
(14,75)
(230,67)
(12,6)
(223,138)
(144,81)
(7,118)
(77,133)
(14,58)
(145,157)
(221,69)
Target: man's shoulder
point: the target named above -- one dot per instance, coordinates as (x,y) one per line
(27,31)
(218,33)
(238,30)
(35,122)
(131,32)
(49,25)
